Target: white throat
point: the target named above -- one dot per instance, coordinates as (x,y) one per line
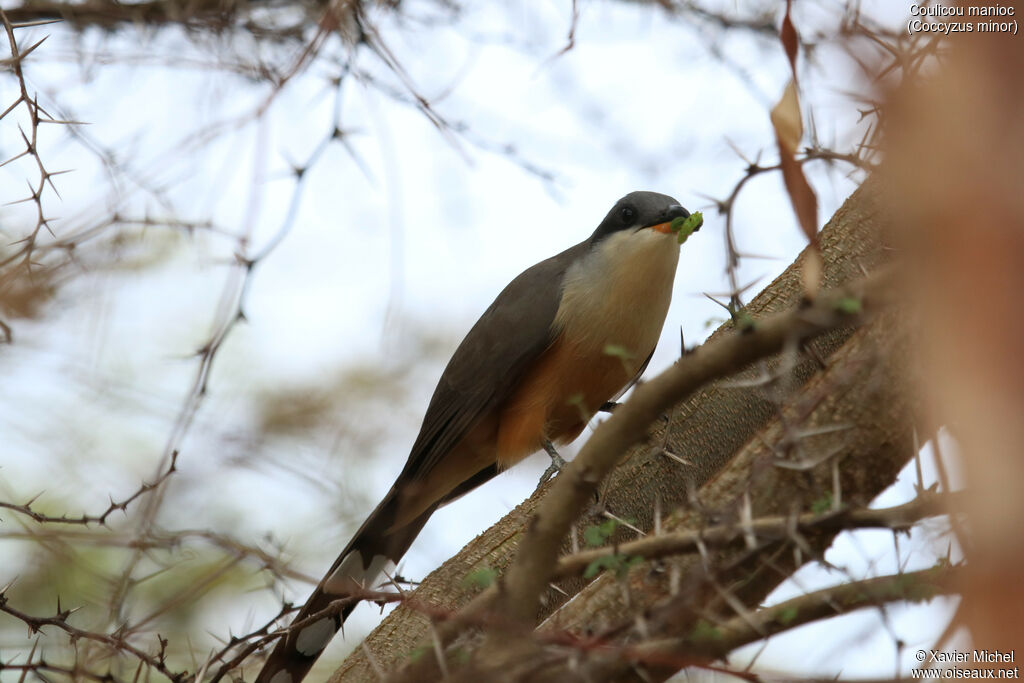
(619,293)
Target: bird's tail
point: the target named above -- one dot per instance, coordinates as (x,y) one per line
(375,550)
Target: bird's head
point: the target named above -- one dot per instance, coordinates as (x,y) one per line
(640,211)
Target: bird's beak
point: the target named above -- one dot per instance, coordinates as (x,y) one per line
(672,212)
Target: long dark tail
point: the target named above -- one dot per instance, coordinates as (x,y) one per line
(359,566)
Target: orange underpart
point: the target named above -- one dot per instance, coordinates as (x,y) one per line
(557,398)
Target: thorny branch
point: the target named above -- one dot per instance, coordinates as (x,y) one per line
(209,15)
(899,518)
(537,553)
(101,519)
(727,207)
(36,116)
(661,656)
(571,491)
(661,652)
(230,313)
(150,495)
(252,642)
(117,642)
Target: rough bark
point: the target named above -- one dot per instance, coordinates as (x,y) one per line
(707,430)
(861,410)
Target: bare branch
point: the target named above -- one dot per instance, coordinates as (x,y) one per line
(101,519)
(662,657)
(899,518)
(116,642)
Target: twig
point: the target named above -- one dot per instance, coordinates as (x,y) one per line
(117,642)
(101,519)
(712,642)
(898,518)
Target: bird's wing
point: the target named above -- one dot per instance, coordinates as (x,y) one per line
(635,379)
(487,366)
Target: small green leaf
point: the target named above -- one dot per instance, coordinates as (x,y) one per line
(849,305)
(744,322)
(592,536)
(823,504)
(418,653)
(704,632)
(921,591)
(620,564)
(617,351)
(596,534)
(787,616)
(684,227)
(481,578)
(629,564)
(598,566)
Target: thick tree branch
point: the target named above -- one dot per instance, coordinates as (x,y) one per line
(711,642)
(919,586)
(843,438)
(504,650)
(706,431)
(212,15)
(532,569)
(853,423)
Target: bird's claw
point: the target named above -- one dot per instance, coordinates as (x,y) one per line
(557,463)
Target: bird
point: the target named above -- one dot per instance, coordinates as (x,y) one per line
(563,339)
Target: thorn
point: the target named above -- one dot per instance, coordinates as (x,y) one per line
(558,589)
(37,22)
(624,523)
(681,460)
(725,306)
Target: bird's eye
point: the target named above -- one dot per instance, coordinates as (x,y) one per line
(628,214)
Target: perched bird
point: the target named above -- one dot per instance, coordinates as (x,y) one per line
(563,338)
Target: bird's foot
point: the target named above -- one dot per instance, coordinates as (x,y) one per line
(557,463)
